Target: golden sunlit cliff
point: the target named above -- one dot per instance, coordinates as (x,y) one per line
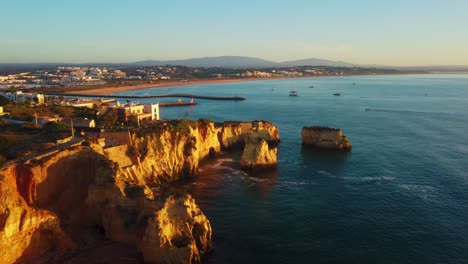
(56,204)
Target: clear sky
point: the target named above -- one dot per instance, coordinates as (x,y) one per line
(397,32)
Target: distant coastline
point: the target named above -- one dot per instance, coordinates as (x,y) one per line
(179,83)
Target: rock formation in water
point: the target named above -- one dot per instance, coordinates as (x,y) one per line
(325,138)
(258,155)
(67,200)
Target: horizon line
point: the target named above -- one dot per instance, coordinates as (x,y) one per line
(268,60)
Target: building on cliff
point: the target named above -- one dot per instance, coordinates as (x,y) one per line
(140,111)
(80,122)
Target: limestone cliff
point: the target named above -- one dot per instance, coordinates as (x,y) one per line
(257,155)
(52,205)
(174,151)
(26,232)
(71,199)
(325,138)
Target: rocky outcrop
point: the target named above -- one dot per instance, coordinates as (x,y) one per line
(325,138)
(234,134)
(258,155)
(73,198)
(178,233)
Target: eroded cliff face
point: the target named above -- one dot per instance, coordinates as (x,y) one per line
(173,152)
(234,134)
(258,154)
(325,138)
(26,232)
(178,233)
(68,200)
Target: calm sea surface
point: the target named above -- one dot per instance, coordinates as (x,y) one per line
(400,195)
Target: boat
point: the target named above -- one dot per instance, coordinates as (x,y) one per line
(336,94)
(293,93)
(354,83)
(311,86)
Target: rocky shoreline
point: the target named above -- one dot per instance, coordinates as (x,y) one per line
(47,206)
(56,205)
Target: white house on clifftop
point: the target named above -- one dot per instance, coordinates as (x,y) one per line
(141,111)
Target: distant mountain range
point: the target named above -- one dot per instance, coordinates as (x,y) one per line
(236,62)
(250,62)
(243,62)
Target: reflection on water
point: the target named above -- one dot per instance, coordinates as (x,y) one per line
(325,160)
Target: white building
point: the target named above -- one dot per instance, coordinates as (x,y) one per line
(153,109)
(141,111)
(20,97)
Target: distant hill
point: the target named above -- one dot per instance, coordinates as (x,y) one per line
(231,62)
(250,62)
(242,62)
(222,61)
(316,62)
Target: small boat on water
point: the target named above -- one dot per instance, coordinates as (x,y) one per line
(311,86)
(336,94)
(293,93)
(354,83)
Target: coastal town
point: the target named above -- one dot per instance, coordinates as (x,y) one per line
(66,78)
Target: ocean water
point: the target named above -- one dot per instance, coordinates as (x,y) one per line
(400,195)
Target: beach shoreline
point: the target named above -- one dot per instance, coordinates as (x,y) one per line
(166,84)
(143,86)
(180,83)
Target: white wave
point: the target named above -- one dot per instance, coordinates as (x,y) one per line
(255,179)
(425,192)
(364,179)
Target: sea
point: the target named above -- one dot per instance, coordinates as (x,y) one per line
(399,196)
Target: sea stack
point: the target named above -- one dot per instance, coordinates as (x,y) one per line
(325,138)
(258,154)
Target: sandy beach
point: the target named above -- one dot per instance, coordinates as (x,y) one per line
(117,89)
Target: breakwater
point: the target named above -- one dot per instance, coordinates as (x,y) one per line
(179,95)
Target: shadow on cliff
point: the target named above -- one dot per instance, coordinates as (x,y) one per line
(43,245)
(65,189)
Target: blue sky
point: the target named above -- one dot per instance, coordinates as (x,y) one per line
(410,32)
